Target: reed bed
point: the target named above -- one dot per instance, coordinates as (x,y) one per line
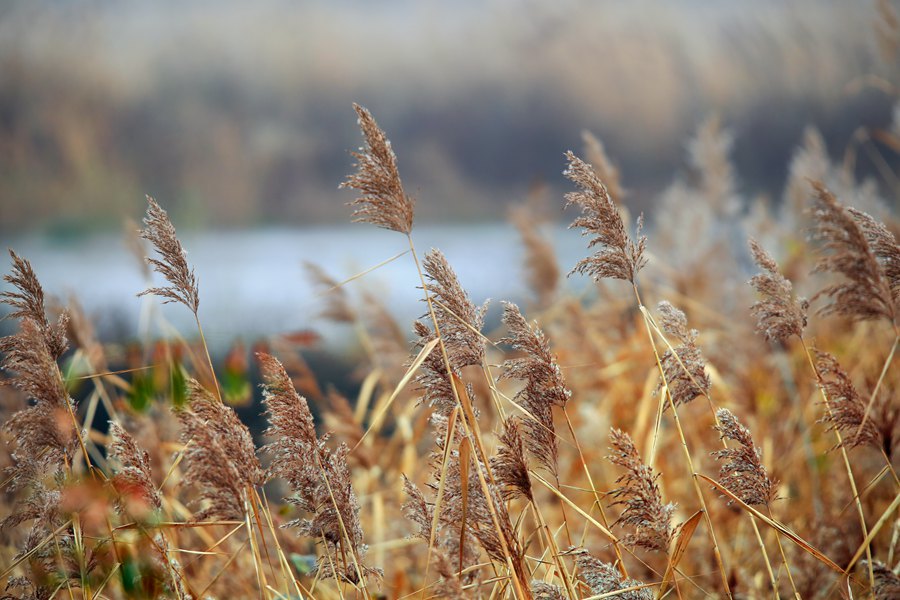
(676,431)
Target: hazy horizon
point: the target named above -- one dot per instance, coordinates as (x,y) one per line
(241,115)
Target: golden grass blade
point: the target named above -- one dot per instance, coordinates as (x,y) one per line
(633,588)
(451,427)
(224,568)
(775,525)
(363,273)
(283,561)
(609,534)
(872,532)
(178,524)
(105,581)
(112,373)
(50,537)
(874,394)
(366,392)
(196,552)
(681,544)
(423,354)
(465,454)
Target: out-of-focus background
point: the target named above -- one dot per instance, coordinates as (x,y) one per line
(237,117)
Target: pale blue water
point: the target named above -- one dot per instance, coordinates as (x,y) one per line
(252,283)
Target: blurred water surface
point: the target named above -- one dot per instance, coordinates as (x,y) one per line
(253,283)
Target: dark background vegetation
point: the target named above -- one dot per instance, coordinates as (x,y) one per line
(239,114)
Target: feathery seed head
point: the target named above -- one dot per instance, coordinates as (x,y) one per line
(541,590)
(382,202)
(27,300)
(544,386)
(219,454)
(460,322)
(172,262)
(742,472)
(318,476)
(779,314)
(866,292)
(639,493)
(133,479)
(617,257)
(887,583)
(603,578)
(685,368)
(509,465)
(848,409)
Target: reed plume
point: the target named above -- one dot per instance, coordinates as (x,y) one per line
(866,292)
(42,508)
(172,262)
(541,590)
(44,431)
(133,480)
(433,380)
(887,583)
(848,410)
(544,385)
(685,367)
(447,538)
(639,493)
(417,510)
(338,307)
(450,584)
(45,438)
(779,314)
(603,578)
(382,202)
(467,513)
(742,472)
(606,171)
(459,320)
(541,269)
(138,497)
(219,454)
(885,248)
(27,300)
(318,476)
(509,465)
(50,566)
(617,257)
(496,539)
(708,152)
